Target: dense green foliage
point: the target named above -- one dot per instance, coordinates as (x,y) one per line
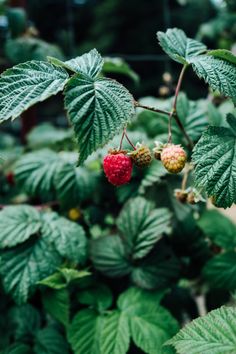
(89,268)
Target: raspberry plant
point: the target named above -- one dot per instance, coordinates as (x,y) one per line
(87,267)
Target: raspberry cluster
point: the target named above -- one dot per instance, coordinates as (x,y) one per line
(117,167)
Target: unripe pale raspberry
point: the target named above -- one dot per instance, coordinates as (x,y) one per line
(173,158)
(142,156)
(117,167)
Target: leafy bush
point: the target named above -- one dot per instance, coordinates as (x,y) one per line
(87,267)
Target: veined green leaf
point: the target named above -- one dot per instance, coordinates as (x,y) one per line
(17,224)
(21,267)
(98,109)
(68,237)
(35,171)
(115,335)
(178,46)
(215,163)
(142,225)
(50,341)
(18,348)
(214,333)
(57,304)
(90,63)
(84,333)
(28,83)
(218,73)
(24,321)
(63,277)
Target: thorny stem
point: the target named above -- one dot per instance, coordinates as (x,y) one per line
(173,111)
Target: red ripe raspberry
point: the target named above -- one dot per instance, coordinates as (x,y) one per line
(173,158)
(118,168)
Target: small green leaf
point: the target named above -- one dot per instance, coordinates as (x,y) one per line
(214,334)
(142,225)
(220,271)
(218,228)
(63,278)
(215,165)
(89,63)
(84,333)
(115,335)
(57,304)
(17,224)
(26,84)
(218,73)
(98,109)
(50,341)
(178,46)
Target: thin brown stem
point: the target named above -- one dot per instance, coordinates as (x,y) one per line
(129,141)
(153,109)
(122,138)
(173,111)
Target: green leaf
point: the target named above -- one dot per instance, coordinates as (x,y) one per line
(157,271)
(134,295)
(50,341)
(17,224)
(120,67)
(68,237)
(28,83)
(85,331)
(223,54)
(218,73)
(18,348)
(215,164)
(142,225)
(109,257)
(74,185)
(98,296)
(192,114)
(89,63)
(23,266)
(63,278)
(35,171)
(151,327)
(211,334)
(218,228)
(98,109)
(24,321)
(57,304)
(220,271)
(152,176)
(178,46)
(115,335)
